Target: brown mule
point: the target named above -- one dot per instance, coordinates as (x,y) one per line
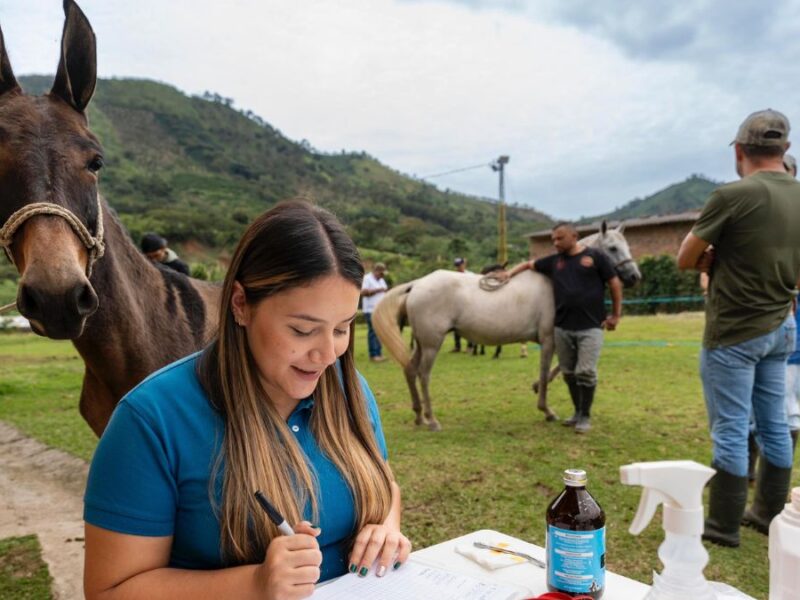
(81,278)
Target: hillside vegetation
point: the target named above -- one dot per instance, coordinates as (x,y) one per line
(685,196)
(197,170)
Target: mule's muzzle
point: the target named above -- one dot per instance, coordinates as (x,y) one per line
(60,316)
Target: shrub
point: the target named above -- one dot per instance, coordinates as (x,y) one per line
(662,279)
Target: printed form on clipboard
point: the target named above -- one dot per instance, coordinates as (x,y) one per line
(417,581)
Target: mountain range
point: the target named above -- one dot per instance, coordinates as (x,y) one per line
(680,197)
(197,170)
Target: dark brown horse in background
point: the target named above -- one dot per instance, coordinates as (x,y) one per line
(81,277)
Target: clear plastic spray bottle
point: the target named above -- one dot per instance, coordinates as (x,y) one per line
(678,485)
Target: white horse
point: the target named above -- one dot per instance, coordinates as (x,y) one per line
(523,310)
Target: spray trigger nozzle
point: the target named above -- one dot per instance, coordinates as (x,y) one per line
(647,508)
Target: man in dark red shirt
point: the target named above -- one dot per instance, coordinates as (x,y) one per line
(579,275)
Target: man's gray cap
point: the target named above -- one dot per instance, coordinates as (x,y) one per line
(764,128)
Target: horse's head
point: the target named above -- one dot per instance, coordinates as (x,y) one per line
(614,244)
(49,209)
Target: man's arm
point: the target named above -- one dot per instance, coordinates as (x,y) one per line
(695,253)
(506,275)
(366,287)
(615,287)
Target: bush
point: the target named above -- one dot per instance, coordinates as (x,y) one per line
(662,279)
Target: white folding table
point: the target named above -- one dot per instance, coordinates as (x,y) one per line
(525,575)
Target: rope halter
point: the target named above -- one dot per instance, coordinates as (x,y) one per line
(94,243)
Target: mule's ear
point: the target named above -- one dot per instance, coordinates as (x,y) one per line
(621,227)
(8,82)
(77,68)
(603,227)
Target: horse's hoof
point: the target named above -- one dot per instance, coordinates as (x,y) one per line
(535,387)
(551,418)
(434,426)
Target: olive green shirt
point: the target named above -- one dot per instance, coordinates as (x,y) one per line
(754,226)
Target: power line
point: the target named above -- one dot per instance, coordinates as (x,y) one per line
(481,166)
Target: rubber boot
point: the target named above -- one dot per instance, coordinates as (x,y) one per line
(752,456)
(584,423)
(575,394)
(772,487)
(726,501)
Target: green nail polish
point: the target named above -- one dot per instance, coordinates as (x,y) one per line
(397,565)
(352,568)
(363,572)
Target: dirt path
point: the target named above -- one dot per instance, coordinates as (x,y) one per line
(41,492)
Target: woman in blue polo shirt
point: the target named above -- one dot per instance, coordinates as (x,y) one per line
(274,404)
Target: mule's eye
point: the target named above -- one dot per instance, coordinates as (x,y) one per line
(612,249)
(95,164)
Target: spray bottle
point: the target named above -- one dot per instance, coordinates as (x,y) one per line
(784,551)
(678,484)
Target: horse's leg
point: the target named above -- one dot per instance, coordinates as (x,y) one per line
(427,358)
(96,403)
(497,351)
(553,374)
(545,358)
(411,371)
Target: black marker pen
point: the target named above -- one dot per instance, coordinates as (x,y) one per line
(273,513)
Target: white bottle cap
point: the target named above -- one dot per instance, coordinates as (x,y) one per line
(575,477)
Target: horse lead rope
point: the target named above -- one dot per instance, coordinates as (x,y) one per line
(93,243)
(490,283)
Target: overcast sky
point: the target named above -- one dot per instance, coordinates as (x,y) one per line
(595,101)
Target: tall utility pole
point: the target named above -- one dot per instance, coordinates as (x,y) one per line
(502,247)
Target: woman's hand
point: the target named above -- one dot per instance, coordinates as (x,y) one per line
(381,542)
(292,565)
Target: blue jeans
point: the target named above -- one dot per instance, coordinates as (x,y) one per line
(373,344)
(743,380)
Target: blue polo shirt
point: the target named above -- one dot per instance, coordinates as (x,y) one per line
(151,471)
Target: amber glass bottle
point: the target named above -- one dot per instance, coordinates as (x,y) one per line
(576,540)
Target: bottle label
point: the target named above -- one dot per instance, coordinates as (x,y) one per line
(576,560)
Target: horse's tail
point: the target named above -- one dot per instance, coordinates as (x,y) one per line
(387,318)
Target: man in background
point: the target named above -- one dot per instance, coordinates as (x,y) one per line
(793,368)
(754,228)
(373,289)
(792,371)
(790,164)
(579,275)
(460,265)
(155,248)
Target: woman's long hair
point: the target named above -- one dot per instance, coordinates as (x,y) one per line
(291,245)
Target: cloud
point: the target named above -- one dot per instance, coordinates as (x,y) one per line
(661,29)
(595,105)
(673,30)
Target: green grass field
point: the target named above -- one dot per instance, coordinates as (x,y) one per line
(23,574)
(497,463)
